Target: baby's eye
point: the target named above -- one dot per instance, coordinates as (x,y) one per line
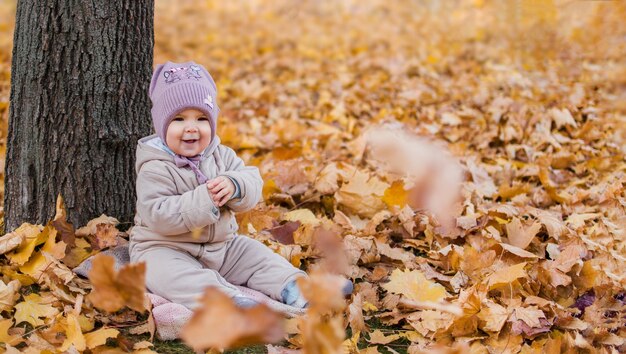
(178,119)
(203,118)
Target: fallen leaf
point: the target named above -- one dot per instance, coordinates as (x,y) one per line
(415,286)
(99,337)
(9,294)
(396,195)
(22,254)
(520,235)
(377,337)
(506,276)
(5,337)
(60,223)
(73,334)
(284,233)
(114,290)
(493,316)
(32,310)
(219,323)
(362,194)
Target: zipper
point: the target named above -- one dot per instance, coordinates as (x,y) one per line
(211,232)
(201,251)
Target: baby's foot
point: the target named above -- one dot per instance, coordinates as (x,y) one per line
(244,302)
(347,288)
(292,296)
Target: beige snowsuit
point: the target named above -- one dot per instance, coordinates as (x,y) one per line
(187,242)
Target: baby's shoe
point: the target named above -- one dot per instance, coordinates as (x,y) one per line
(244,302)
(347,289)
(292,296)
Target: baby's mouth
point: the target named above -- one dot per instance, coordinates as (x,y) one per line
(190,141)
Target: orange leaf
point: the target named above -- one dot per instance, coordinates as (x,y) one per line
(114,290)
(219,323)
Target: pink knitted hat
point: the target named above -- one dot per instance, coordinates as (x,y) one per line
(178,86)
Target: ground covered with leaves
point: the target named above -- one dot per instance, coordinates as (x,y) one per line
(462,162)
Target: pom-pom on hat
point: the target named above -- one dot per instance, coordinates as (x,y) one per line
(178,86)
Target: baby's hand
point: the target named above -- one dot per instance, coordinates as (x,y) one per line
(221,189)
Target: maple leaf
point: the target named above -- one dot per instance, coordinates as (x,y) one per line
(114,290)
(60,223)
(396,195)
(519,235)
(357,323)
(92,226)
(103,229)
(506,275)
(377,337)
(304,216)
(290,177)
(34,235)
(5,337)
(31,310)
(414,285)
(73,334)
(9,294)
(493,316)
(327,180)
(362,194)
(219,323)
(284,233)
(323,292)
(11,241)
(99,337)
(78,254)
(38,263)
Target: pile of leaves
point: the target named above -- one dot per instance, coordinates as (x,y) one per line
(463,163)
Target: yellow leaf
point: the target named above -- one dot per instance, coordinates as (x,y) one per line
(362,194)
(74,336)
(31,310)
(414,285)
(23,253)
(39,263)
(377,337)
(5,337)
(396,194)
(86,323)
(99,337)
(78,254)
(305,216)
(269,188)
(506,275)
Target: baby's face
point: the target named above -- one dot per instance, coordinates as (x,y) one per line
(189,133)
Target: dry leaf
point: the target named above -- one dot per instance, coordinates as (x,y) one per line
(415,286)
(519,235)
(114,290)
(32,310)
(219,323)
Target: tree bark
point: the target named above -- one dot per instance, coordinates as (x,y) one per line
(79,102)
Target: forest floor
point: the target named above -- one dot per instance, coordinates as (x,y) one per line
(462,162)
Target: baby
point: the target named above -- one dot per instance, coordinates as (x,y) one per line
(188,186)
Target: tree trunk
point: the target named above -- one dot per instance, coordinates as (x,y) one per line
(79,102)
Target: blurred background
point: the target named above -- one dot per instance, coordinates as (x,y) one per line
(349,63)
